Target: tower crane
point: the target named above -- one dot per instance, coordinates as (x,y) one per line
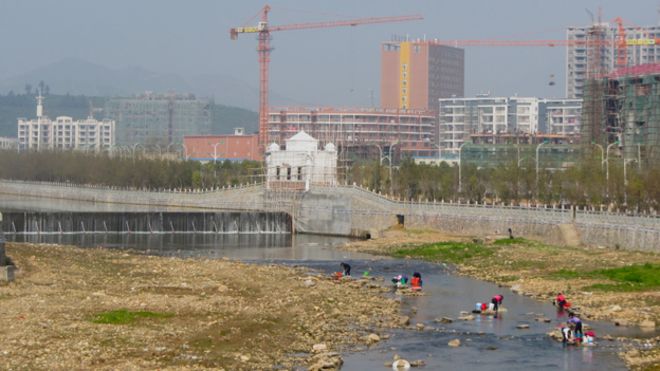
(263,31)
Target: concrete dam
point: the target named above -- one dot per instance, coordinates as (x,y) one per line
(38,222)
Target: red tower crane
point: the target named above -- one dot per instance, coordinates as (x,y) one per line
(621,47)
(263,29)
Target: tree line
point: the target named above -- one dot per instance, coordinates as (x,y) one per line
(587,183)
(137,172)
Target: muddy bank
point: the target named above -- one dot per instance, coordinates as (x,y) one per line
(540,271)
(75,308)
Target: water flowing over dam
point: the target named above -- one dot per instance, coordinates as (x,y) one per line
(37,222)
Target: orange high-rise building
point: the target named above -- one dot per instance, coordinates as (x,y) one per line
(415,74)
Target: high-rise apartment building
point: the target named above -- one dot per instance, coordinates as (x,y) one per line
(64,133)
(415,74)
(159,119)
(643,46)
(459,118)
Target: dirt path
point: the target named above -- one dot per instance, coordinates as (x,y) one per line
(182,313)
(541,271)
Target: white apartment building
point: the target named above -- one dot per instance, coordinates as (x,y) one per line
(561,116)
(64,133)
(459,118)
(643,46)
(8,143)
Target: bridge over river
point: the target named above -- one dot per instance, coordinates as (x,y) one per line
(347,210)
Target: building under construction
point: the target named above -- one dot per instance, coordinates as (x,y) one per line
(358,131)
(624,106)
(151,119)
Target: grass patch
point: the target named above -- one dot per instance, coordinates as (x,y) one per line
(510,241)
(124,317)
(638,277)
(452,252)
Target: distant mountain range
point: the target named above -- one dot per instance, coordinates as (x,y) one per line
(76,76)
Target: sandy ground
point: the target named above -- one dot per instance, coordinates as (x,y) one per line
(217,314)
(527,270)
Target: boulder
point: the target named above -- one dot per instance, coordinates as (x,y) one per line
(309,283)
(372,339)
(326,361)
(454,343)
(647,324)
(244,358)
(621,322)
(400,364)
(318,348)
(418,363)
(420,326)
(404,321)
(468,317)
(444,320)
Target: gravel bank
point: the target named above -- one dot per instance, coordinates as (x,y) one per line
(216,314)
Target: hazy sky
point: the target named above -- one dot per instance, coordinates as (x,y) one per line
(337,66)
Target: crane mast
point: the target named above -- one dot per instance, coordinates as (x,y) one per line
(263,30)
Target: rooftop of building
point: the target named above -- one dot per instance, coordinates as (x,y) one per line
(635,71)
(349,111)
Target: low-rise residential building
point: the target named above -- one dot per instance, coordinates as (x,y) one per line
(410,131)
(212,148)
(8,143)
(64,133)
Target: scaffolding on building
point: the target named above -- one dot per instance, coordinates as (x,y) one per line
(623,107)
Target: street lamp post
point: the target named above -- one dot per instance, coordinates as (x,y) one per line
(625,180)
(607,169)
(185,152)
(538,147)
(390,159)
(215,152)
(602,155)
(439,153)
(460,182)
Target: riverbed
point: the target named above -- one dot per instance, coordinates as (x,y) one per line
(486,343)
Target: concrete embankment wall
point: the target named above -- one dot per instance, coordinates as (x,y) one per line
(245,198)
(145,222)
(552,225)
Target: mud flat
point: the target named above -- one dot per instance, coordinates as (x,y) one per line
(83,308)
(605,284)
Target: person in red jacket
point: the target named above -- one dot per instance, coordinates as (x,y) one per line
(416,281)
(560,301)
(497,301)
